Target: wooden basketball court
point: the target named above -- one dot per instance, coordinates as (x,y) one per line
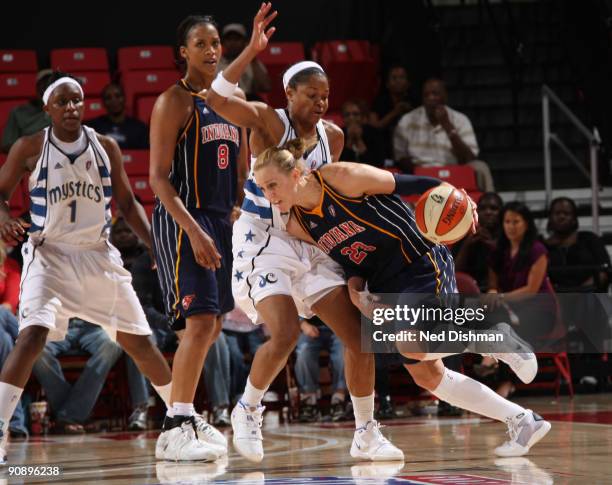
(438,451)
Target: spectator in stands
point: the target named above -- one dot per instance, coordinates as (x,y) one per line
(218,381)
(72,404)
(128,244)
(517,271)
(362,143)
(316,336)
(27,118)
(435,134)
(255,78)
(471,253)
(392,103)
(382,385)
(9,298)
(243,339)
(130,133)
(568,247)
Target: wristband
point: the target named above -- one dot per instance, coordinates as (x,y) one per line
(222,86)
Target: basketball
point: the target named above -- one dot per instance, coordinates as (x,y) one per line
(443,214)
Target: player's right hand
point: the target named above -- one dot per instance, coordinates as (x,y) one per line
(13,231)
(260,36)
(204,250)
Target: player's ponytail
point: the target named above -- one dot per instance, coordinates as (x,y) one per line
(286,158)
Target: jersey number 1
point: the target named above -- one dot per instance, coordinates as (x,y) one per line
(72,211)
(223,156)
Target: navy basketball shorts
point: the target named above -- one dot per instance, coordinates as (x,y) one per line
(188,288)
(428,282)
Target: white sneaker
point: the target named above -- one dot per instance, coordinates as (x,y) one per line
(246,425)
(210,435)
(516,353)
(525,430)
(181,444)
(370,444)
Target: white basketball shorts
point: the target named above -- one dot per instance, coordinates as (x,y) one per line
(60,281)
(269,262)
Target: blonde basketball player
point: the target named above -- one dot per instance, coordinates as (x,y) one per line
(70,269)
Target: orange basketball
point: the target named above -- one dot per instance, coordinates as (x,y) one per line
(443,214)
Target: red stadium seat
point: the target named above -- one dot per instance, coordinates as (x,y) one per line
(5,108)
(277,57)
(79,59)
(144,108)
(17,85)
(94,107)
(346,61)
(136,162)
(141,188)
(145,57)
(336,117)
(17,60)
(93,82)
(140,83)
(461,176)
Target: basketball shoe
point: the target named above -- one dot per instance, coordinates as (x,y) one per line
(178,442)
(525,430)
(370,444)
(246,425)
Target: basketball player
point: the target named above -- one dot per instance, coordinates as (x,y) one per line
(275,276)
(349,209)
(70,269)
(194,169)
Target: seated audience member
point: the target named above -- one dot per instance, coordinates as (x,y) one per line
(9,299)
(130,133)
(218,381)
(382,385)
(472,252)
(362,143)
(517,271)
(255,78)
(435,134)
(579,263)
(28,118)
(316,336)
(390,105)
(568,247)
(72,404)
(243,339)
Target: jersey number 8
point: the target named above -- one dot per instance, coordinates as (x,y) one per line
(223,156)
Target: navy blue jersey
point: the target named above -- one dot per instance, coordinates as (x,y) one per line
(204,167)
(374,236)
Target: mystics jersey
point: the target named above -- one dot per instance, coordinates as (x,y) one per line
(255,204)
(70,195)
(373,236)
(204,171)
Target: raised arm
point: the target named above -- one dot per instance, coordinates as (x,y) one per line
(253,115)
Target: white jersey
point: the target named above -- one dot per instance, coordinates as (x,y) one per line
(70,196)
(255,203)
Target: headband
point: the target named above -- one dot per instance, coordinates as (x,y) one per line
(300,66)
(61,80)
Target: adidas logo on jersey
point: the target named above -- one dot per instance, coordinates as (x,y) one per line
(58,166)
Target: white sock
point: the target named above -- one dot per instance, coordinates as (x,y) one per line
(164,393)
(363,407)
(252,396)
(182,409)
(466,393)
(9,397)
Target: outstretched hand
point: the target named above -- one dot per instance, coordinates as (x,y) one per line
(261,34)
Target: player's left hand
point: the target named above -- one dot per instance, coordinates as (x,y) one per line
(260,36)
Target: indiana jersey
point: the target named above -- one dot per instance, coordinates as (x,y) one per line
(70,195)
(255,204)
(373,236)
(204,167)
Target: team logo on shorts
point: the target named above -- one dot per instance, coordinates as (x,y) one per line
(88,165)
(269,278)
(186,302)
(332,210)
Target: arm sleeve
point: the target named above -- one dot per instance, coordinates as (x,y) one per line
(413,184)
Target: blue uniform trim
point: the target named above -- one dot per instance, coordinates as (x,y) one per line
(263,212)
